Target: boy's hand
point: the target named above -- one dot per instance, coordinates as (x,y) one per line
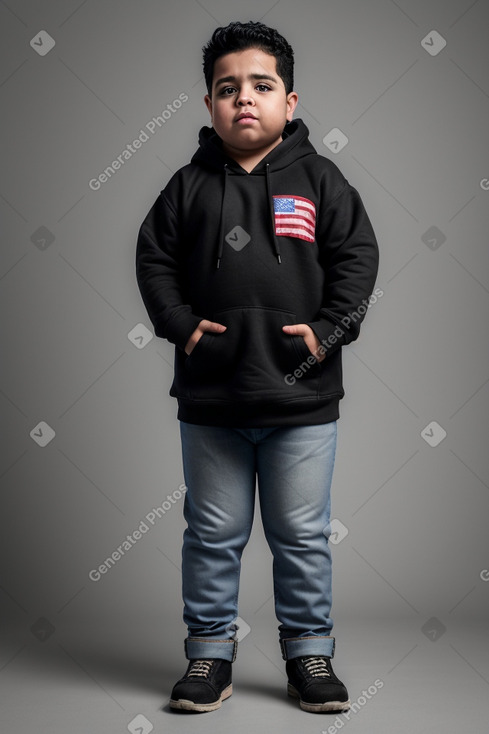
(204,326)
(310,338)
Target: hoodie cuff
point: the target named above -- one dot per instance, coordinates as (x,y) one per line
(180,327)
(332,336)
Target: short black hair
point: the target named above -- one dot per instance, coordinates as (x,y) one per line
(239,36)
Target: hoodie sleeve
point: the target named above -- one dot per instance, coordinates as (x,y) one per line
(348,252)
(159,276)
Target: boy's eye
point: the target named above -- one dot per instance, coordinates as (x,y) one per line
(227,91)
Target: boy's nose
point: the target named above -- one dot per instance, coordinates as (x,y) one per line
(245,98)
(246,102)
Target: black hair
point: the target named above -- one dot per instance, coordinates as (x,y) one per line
(239,36)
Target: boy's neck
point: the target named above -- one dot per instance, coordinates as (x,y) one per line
(249,161)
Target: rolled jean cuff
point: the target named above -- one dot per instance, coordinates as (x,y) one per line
(294,647)
(208,647)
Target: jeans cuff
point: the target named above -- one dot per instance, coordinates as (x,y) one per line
(210,647)
(294,647)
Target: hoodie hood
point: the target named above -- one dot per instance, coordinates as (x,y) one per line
(295,144)
(210,155)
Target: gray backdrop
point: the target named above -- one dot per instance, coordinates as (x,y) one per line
(90,445)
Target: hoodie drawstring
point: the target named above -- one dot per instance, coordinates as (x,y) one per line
(276,246)
(220,241)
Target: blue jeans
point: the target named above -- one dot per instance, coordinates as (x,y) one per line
(294,466)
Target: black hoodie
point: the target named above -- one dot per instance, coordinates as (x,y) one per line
(288,243)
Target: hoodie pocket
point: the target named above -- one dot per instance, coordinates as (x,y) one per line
(213,356)
(273,356)
(251,360)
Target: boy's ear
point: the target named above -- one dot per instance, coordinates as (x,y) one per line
(208,104)
(292,100)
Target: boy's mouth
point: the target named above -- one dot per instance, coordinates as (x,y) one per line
(245,117)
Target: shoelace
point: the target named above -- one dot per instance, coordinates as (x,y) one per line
(200,668)
(316,667)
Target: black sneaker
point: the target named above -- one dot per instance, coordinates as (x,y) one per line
(313,682)
(204,686)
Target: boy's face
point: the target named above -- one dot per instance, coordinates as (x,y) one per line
(246,83)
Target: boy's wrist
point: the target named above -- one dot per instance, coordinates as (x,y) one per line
(181,326)
(331,336)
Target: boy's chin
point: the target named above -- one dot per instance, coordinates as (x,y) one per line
(252,144)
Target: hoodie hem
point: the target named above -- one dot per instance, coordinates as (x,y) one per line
(260,415)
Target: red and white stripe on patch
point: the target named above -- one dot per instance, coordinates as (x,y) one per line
(295,216)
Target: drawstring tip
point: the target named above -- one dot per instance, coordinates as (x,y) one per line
(218,265)
(279,259)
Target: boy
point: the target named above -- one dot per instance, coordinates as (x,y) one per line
(257,261)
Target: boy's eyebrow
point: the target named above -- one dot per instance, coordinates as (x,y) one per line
(250,76)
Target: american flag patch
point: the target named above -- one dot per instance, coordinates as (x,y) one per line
(295,216)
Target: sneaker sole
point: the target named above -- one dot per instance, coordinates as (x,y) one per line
(316,708)
(187,705)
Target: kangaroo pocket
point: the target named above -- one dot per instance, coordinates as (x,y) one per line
(252,360)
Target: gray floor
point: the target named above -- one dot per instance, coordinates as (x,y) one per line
(115,678)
